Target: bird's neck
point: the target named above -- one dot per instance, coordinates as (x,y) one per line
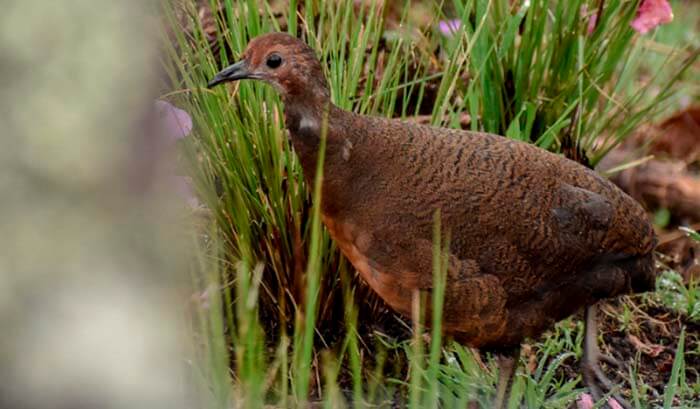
(306,114)
(309,118)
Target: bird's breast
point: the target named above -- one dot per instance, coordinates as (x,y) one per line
(354,244)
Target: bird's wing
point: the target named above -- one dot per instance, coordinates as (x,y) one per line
(611,224)
(581,213)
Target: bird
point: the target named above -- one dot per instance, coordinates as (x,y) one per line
(533,237)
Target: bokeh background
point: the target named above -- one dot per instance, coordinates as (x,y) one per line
(90,261)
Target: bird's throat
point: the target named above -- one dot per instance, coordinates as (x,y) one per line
(307,123)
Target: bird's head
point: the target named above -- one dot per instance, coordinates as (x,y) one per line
(281,60)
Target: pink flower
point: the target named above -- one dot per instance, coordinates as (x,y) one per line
(586,402)
(175,123)
(154,160)
(613,404)
(652,13)
(449,27)
(592,22)
(592,18)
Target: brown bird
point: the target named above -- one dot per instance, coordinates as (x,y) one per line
(533,236)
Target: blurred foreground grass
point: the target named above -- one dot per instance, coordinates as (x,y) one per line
(91,276)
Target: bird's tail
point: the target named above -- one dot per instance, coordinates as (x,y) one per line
(642,273)
(621,274)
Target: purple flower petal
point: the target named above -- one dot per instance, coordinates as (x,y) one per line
(175,123)
(449,27)
(652,13)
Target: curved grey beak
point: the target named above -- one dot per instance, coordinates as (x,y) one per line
(237,71)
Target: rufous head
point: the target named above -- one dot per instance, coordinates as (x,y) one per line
(281,60)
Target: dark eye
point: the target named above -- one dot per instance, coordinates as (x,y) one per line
(273,61)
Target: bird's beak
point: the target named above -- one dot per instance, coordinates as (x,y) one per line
(237,71)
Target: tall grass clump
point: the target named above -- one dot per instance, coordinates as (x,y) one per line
(544,71)
(280,290)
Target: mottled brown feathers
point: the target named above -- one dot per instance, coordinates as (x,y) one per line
(533,236)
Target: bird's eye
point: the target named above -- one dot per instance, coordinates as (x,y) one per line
(274,61)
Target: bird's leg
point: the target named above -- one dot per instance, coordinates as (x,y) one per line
(506,371)
(593,376)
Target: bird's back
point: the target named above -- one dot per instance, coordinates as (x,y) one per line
(527,221)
